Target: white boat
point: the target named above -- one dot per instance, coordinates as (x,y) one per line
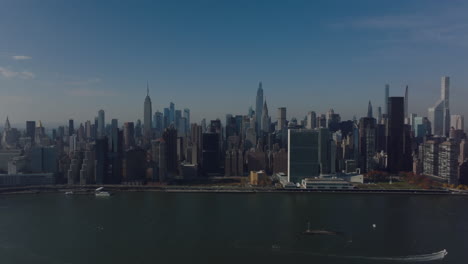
(69,193)
(103,194)
(100,192)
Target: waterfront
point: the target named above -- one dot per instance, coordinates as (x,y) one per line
(161,227)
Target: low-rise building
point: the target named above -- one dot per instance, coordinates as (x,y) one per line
(257,177)
(326,184)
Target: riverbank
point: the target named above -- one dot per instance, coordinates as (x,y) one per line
(90,189)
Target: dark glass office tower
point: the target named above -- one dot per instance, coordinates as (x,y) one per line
(31,130)
(210,153)
(395,134)
(170,139)
(116,156)
(102,163)
(71,127)
(367,143)
(129,135)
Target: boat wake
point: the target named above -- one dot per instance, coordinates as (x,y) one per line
(413,258)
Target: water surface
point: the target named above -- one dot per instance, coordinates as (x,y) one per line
(158,227)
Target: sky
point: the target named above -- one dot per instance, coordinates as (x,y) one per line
(68,59)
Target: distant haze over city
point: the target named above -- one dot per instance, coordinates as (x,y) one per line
(62,60)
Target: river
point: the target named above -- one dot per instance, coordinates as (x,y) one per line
(159,227)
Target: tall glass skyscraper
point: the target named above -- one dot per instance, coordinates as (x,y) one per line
(171,113)
(167,117)
(186,115)
(396,134)
(303,154)
(439,114)
(101,124)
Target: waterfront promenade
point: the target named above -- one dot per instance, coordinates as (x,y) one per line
(89,189)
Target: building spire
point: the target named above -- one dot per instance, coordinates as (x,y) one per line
(7,124)
(147,88)
(369,110)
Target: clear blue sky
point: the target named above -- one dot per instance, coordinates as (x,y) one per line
(68,59)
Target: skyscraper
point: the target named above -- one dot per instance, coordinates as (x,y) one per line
(71,127)
(379,115)
(187,118)
(170,139)
(369,110)
(178,116)
(129,135)
(406,102)
(135,165)
(210,153)
(311,120)
(101,124)
(324,151)
(281,118)
(448,161)
(395,134)
(251,112)
(138,129)
(158,121)
(96,125)
(116,155)
(367,143)
(333,120)
(31,130)
(171,113)
(303,154)
(439,114)
(259,107)
(102,162)
(419,127)
(88,131)
(8,137)
(457,122)
(265,119)
(167,117)
(387,92)
(147,115)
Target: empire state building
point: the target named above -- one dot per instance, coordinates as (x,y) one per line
(147,115)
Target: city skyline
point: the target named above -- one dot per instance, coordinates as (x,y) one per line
(149,115)
(308,69)
(262,123)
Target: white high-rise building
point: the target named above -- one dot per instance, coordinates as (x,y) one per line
(457,122)
(281,118)
(311,120)
(439,114)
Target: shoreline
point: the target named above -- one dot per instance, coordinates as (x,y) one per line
(90,190)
